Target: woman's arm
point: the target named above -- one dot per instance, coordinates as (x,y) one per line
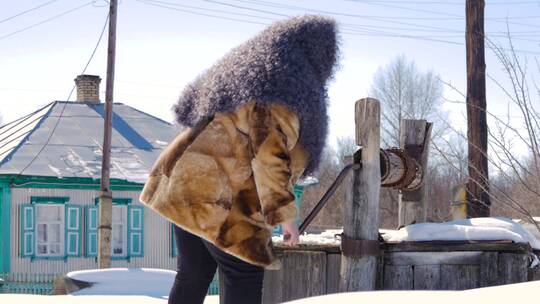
(291,235)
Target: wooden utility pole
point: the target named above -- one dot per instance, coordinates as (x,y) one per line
(105,199)
(359,242)
(478,183)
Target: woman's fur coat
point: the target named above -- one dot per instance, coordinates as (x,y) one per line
(258,120)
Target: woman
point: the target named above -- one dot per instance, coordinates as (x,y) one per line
(257,121)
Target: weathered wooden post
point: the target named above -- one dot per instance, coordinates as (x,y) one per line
(359,243)
(414,140)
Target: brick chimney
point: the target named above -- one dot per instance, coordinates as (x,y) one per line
(88,88)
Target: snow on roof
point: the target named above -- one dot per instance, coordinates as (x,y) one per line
(74,149)
(125,281)
(476,229)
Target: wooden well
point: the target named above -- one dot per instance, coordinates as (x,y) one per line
(314,270)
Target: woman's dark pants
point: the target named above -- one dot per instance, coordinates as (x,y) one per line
(197,263)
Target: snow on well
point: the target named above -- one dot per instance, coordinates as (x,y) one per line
(476,229)
(327,237)
(125,281)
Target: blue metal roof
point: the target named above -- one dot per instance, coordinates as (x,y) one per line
(74,149)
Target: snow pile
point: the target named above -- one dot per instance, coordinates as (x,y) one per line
(475,229)
(125,281)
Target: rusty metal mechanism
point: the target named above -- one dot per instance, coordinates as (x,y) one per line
(399,170)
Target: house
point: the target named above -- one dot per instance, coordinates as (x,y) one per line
(50,167)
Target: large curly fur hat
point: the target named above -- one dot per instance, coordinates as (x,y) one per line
(289,62)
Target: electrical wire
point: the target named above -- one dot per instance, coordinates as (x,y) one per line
(28,11)
(19,129)
(348,29)
(21,119)
(448,2)
(172,5)
(154,3)
(67,100)
(46,20)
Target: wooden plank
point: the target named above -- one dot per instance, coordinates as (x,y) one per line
(433,258)
(379,285)
(489,269)
(427,277)
(412,204)
(534,274)
(333,263)
(304,275)
(505,246)
(398,277)
(272,283)
(361,220)
(459,277)
(513,268)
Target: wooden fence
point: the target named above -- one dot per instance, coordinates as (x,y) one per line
(27,283)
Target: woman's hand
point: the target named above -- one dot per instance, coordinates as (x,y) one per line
(291,235)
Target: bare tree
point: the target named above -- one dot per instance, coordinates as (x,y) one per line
(405,93)
(515,187)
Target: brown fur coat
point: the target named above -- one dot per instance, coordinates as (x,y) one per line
(229,179)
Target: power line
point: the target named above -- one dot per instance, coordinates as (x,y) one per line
(69,96)
(448,2)
(28,11)
(46,20)
(16,125)
(349,29)
(382,4)
(154,3)
(172,5)
(245,8)
(334,13)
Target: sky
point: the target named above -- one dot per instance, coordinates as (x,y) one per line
(162,45)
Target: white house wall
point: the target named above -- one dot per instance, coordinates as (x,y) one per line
(157,242)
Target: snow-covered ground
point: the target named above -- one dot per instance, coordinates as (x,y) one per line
(522,293)
(95,299)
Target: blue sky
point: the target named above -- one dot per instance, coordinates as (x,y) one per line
(162,47)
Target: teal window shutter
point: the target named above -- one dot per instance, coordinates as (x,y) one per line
(91,231)
(135,231)
(174,249)
(73,230)
(28,223)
